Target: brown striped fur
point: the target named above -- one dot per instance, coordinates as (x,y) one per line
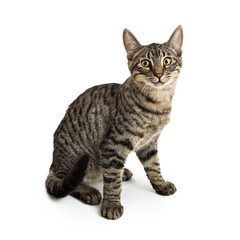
(105,123)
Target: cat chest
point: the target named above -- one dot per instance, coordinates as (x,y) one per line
(152,131)
(146,140)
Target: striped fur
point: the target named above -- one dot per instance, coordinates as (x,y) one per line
(105,123)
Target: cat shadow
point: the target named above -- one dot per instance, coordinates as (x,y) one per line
(52,198)
(132,190)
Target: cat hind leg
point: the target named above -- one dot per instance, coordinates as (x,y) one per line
(87,194)
(127,174)
(62,187)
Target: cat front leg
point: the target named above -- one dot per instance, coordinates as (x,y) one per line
(113,153)
(148,155)
(111,206)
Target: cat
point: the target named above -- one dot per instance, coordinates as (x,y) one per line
(107,122)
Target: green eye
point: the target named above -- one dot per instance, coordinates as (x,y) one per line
(167,61)
(145,63)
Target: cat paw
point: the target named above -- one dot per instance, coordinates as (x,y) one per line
(112,210)
(127,174)
(93,197)
(165,188)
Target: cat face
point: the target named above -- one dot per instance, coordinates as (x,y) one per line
(155,65)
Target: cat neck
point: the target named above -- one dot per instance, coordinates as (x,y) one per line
(150,93)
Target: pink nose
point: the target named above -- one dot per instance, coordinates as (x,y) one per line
(159,75)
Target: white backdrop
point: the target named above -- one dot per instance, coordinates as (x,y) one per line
(51,51)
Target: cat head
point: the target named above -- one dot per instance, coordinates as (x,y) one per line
(155,65)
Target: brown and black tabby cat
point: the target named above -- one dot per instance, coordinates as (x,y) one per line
(105,123)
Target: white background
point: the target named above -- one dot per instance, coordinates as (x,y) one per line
(51,51)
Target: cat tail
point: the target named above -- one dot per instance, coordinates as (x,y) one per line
(62,187)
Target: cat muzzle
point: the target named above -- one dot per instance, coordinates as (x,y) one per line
(159,75)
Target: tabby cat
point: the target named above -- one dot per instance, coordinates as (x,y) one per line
(106,122)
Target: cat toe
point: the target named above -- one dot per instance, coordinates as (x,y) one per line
(92,197)
(127,174)
(112,210)
(165,189)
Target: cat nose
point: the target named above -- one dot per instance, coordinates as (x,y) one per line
(158,75)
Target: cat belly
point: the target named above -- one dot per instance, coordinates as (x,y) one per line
(93,176)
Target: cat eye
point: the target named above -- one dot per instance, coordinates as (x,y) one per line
(146,63)
(167,61)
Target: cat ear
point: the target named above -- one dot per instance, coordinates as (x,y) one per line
(131,44)
(176,40)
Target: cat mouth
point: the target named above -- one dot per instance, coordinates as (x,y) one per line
(159,81)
